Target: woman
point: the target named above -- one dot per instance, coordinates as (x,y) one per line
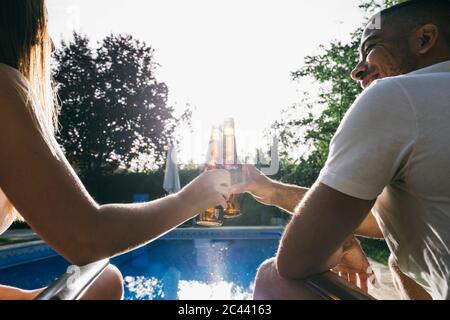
(37,181)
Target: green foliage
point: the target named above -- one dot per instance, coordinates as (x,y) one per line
(113,108)
(375,5)
(331,71)
(377,250)
(255,214)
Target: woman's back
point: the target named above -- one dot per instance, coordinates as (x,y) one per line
(9,76)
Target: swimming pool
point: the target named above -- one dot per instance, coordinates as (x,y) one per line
(186,264)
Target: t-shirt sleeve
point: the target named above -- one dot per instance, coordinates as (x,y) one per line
(373,143)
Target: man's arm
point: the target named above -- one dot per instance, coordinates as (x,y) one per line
(285,196)
(367,151)
(267,191)
(405,286)
(313,240)
(370,228)
(288,197)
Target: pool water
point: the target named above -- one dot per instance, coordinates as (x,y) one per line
(189,268)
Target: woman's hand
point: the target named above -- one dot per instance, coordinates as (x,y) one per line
(256,184)
(209,190)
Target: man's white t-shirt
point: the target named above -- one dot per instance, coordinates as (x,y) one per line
(394,146)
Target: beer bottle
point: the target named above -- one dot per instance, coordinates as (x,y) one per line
(233,209)
(213,217)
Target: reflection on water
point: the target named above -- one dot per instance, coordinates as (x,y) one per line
(152,289)
(169,269)
(195,290)
(144,288)
(211,258)
(197,269)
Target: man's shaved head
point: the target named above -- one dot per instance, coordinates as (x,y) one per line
(415,13)
(404,38)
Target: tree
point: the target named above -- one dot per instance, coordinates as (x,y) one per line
(113,108)
(337,91)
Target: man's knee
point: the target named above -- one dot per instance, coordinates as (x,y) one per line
(108,286)
(269,285)
(266,268)
(265,278)
(114,280)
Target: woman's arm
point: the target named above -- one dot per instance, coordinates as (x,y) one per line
(45,189)
(11,293)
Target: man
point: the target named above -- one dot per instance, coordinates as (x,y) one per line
(389,157)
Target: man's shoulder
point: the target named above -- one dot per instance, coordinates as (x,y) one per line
(381,107)
(383,93)
(425,89)
(420,78)
(423,80)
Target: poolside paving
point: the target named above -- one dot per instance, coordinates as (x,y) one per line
(19,235)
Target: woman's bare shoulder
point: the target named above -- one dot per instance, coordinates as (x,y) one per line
(14,90)
(12,82)
(11,72)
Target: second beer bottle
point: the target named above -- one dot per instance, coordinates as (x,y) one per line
(231,163)
(213,217)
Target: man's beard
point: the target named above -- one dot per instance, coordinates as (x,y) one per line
(408,62)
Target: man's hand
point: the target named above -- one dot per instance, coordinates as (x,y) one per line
(354,266)
(256,184)
(268,191)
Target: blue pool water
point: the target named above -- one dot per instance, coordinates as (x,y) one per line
(200,264)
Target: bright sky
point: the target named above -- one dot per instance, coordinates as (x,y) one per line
(228,58)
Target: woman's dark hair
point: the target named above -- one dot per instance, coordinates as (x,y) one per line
(26,46)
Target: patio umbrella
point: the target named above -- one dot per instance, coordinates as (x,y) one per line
(171,176)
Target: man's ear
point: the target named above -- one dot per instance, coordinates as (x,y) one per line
(426,38)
